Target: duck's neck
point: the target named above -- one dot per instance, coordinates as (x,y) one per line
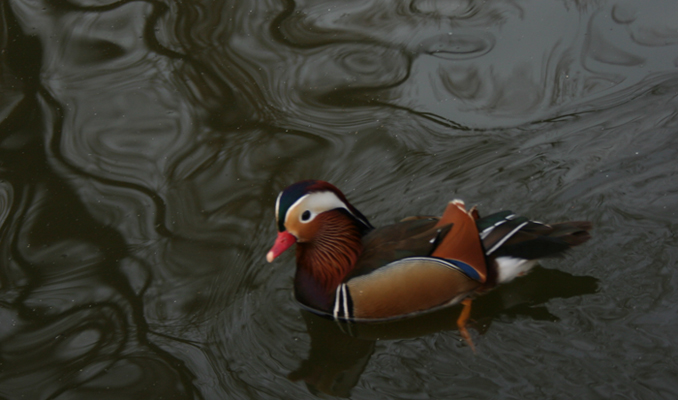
(324,262)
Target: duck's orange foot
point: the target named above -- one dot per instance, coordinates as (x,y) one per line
(461,322)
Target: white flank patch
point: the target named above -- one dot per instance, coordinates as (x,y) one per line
(510,267)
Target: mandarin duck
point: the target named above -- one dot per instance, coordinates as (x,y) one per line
(351,271)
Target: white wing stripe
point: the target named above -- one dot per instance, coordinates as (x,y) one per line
(489,229)
(336,303)
(345,302)
(507,237)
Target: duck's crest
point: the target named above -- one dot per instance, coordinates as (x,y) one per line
(294,192)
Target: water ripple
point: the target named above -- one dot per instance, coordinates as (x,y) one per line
(143,144)
(458,46)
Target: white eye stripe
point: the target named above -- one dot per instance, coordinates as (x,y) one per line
(316,203)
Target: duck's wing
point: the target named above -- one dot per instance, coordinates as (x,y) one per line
(414,236)
(461,245)
(416,265)
(452,237)
(506,234)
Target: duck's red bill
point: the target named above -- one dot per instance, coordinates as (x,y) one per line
(283,242)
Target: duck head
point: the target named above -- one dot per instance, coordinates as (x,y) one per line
(314,212)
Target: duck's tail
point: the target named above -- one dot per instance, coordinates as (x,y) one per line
(515,243)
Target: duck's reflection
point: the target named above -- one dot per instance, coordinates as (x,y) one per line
(339,352)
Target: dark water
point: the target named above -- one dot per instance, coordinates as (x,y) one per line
(143,144)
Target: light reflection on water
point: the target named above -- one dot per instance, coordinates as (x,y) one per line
(143,145)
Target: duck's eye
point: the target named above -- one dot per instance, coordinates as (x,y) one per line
(306,215)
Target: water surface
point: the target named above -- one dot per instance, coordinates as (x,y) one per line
(142,144)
